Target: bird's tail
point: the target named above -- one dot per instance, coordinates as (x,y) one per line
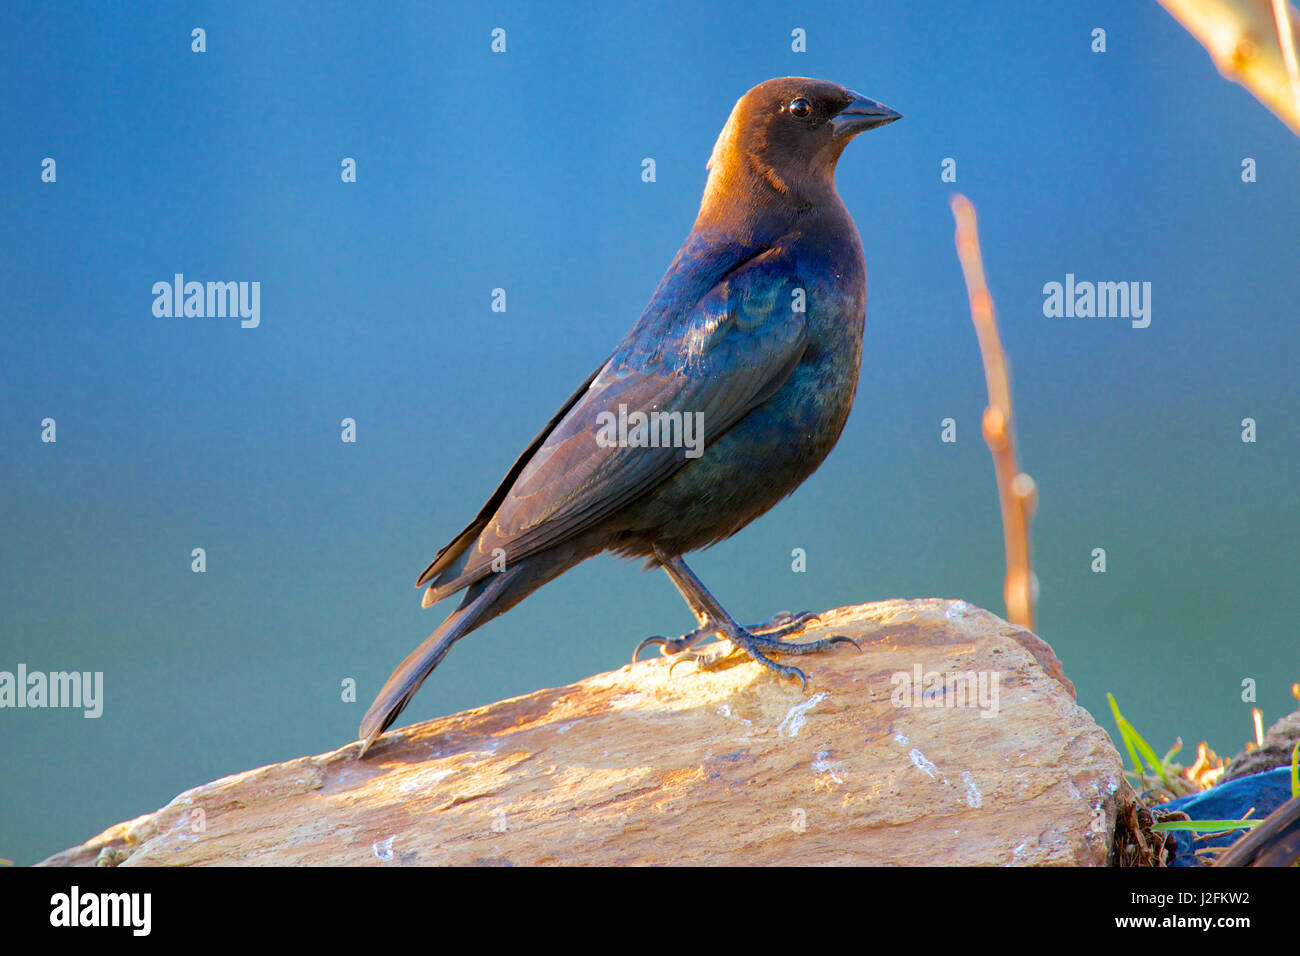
(482,602)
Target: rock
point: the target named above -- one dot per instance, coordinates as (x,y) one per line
(729,765)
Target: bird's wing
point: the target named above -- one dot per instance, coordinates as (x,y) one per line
(449,553)
(721,358)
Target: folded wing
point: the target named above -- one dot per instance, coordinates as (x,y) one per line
(722,357)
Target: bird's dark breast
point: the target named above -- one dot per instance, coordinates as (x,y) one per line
(766,455)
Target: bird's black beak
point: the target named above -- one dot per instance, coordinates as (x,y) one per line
(861,115)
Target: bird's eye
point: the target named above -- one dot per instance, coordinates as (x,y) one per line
(800,107)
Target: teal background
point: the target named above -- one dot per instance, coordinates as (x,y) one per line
(522,171)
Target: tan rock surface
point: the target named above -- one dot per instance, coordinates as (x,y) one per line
(724,766)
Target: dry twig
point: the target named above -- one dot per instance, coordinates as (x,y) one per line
(1252,42)
(1016,490)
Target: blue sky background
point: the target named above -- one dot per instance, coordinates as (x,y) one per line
(522,170)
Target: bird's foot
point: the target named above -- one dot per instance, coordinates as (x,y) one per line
(784,624)
(757,642)
(806,647)
(780,625)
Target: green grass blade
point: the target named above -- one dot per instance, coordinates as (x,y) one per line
(1205,826)
(1132,739)
(1145,750)
(1295,770)
(1124,730)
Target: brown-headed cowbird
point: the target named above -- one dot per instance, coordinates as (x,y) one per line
(754,333)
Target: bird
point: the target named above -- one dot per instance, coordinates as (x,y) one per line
(726,394)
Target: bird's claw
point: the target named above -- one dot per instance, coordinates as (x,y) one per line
(659,640)
(672,645)
(698,660)
(757,642)
(789,671)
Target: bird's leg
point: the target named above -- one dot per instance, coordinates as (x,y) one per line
(753,641)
